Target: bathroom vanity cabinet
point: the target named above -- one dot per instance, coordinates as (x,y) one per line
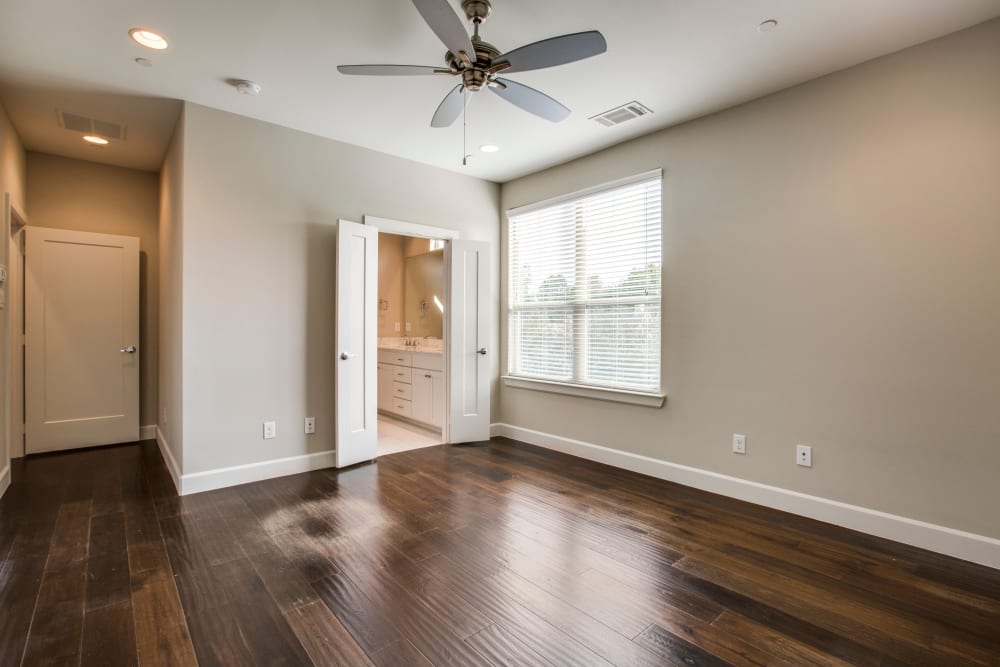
(411,385)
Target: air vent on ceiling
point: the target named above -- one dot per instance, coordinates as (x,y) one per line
(619,115)
(103,128)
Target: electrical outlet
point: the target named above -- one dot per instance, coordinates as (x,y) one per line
(804,455)
(408,327)
(739,443)
(310,425)
(270,430)
(397,327)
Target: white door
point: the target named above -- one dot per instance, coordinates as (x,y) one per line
(81,327)
(469,331)
(357,343)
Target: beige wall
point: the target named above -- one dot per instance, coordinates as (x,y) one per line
(170,417)
(12,179)
(831,278)
(390,284)
(85,196)
(261,205)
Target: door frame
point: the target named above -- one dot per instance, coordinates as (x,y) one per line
(414,229)
(13,356)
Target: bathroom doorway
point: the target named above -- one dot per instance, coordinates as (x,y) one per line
(411,362)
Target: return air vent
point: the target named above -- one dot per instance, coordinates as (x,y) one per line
(619,115)
(103,128)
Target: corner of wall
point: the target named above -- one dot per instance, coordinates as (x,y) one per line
(170,417)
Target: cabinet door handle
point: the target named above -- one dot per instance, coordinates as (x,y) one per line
(481,351)
(427,376)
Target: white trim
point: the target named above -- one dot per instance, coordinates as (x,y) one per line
(4,479)
(941,539)
(147,432)
(255,472)
(649,400)
(410,228)
(650,175)
(168,458)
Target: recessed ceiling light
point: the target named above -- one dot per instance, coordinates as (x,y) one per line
(144,62)
(245,87)
(148,38)
(767,26)
(489,148)
(97,141)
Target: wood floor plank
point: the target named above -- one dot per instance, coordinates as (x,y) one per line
(327,642)
(400,653)
(162,635)
(367,624)
(503,648)
(108,581)
(109,636)
(676,651)
(57,622)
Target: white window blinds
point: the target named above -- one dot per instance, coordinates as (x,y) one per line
(584,293)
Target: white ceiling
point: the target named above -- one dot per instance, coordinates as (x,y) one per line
(681,58)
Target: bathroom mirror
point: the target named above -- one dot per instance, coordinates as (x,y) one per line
(423,294)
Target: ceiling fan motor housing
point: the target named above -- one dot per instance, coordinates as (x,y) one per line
(475,76)
(477,10)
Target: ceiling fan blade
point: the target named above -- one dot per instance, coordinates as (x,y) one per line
(555,51)
(450,108)
(390,70)
(531,100)
(443,20)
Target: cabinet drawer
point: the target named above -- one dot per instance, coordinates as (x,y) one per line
(400,390)
(401,374)
(401,407)
(400,358)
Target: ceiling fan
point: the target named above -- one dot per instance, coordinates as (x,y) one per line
(479,63)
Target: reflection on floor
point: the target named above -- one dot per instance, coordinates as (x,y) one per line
(398,436)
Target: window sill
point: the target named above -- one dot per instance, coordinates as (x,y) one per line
(649,400)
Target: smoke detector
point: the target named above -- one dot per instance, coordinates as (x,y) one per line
(244,87)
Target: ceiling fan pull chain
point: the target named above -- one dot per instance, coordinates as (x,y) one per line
(465,131)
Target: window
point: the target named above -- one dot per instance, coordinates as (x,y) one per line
(584,292)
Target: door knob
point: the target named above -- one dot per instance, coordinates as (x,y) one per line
(130,349)
(481,351)
(345,356)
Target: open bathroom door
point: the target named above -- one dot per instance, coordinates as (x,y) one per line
(356,343)
(469,338)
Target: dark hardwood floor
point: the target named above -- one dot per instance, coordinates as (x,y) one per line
(499,553)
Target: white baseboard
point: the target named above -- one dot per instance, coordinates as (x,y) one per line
(242,474)
(255,472)
(168,458)
(941,539)
(147,432)
(4,479)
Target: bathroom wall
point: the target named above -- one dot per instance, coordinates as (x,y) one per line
(390,284)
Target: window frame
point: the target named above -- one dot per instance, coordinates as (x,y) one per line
(648,398)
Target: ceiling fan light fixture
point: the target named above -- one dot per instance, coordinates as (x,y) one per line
(148,38)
